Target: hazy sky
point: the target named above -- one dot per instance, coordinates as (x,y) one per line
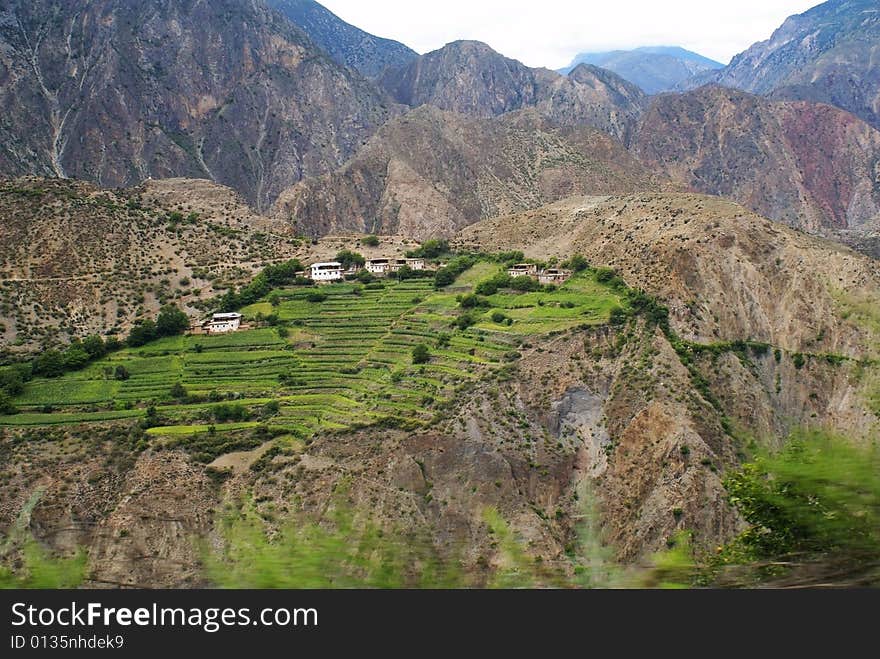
(550,32)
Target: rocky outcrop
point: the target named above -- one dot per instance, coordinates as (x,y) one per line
(828,54)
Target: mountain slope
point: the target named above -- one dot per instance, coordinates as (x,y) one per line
(830,54)
(79,260)
(811,166)
(345,43)
(470,78)
(432,172)
(91,90)
(652,69)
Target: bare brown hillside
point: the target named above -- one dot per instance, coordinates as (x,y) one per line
(725,272)
(431,172)
(80,260)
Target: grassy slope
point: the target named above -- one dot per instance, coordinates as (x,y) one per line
(346,361)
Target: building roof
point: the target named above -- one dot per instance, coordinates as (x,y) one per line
(328,266)
(226,316)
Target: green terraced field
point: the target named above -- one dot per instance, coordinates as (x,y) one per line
(344,362)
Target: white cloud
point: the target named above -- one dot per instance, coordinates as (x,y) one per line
(550,32)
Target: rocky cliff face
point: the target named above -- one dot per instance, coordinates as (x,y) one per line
(469,78)
(345,43)
(431,173)
(828,54)
(809,165)
(115,92)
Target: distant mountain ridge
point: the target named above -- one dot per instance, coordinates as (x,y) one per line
(829,54)
(345,43)
(470,78)
(654,69)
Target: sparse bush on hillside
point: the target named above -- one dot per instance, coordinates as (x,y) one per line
(370,241)
(421,354)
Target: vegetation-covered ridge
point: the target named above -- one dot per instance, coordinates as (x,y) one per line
(337,357)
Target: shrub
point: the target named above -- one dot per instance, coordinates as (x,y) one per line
(819,497)
(498,317)
(6,405)
(472,301)
(178,391)
(49,364)
(421,354)
(94,345)
(121,373)
(430,249)
(370,241)
(226,412)
(316,298)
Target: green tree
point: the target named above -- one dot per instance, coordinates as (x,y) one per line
(370,241)
(178,391)
(171,321)
(350,259)
(95,346)
(6,404)
(121,373)
(142,333)
(49,364)
(75,357)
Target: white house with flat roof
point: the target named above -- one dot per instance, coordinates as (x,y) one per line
(223,323)
(523,270)
(322,273)
(379,266)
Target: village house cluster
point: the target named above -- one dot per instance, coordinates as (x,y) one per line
(333,271)
(545,277)
(319,273)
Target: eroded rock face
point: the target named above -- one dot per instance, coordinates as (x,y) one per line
(810,166)
(116,92)
(142,518)
(431,173)
(827,54)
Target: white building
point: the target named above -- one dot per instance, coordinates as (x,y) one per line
(523,270)
(554,276)
(416,264)
(379,267)
(326,272)
(223,323)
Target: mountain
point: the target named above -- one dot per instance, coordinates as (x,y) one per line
(808,165)
(654,69)
(470,78)
(92,90)
(431,172)
(345,43)
(829,54)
